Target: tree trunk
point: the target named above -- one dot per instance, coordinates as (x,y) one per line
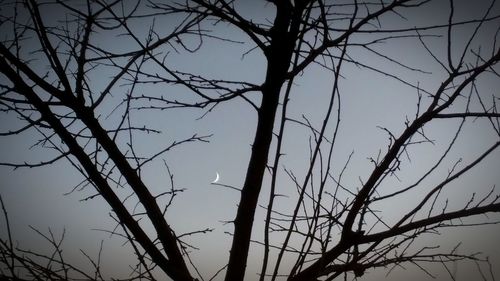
(279,55)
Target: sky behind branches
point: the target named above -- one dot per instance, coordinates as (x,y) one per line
(370,102)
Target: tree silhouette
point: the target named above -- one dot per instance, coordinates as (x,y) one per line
(83,94)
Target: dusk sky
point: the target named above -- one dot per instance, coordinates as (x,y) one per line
(41,197)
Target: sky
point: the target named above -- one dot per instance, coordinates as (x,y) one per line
(41,197)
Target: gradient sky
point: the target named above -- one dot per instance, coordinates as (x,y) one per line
(37,197)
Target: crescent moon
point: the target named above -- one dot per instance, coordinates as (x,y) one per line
(216,177)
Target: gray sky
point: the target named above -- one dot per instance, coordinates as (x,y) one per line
(36,196)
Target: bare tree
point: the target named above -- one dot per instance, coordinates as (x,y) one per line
(54,59)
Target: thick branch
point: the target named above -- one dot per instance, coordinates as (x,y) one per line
(468,114)
(169,266)
(490,208)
